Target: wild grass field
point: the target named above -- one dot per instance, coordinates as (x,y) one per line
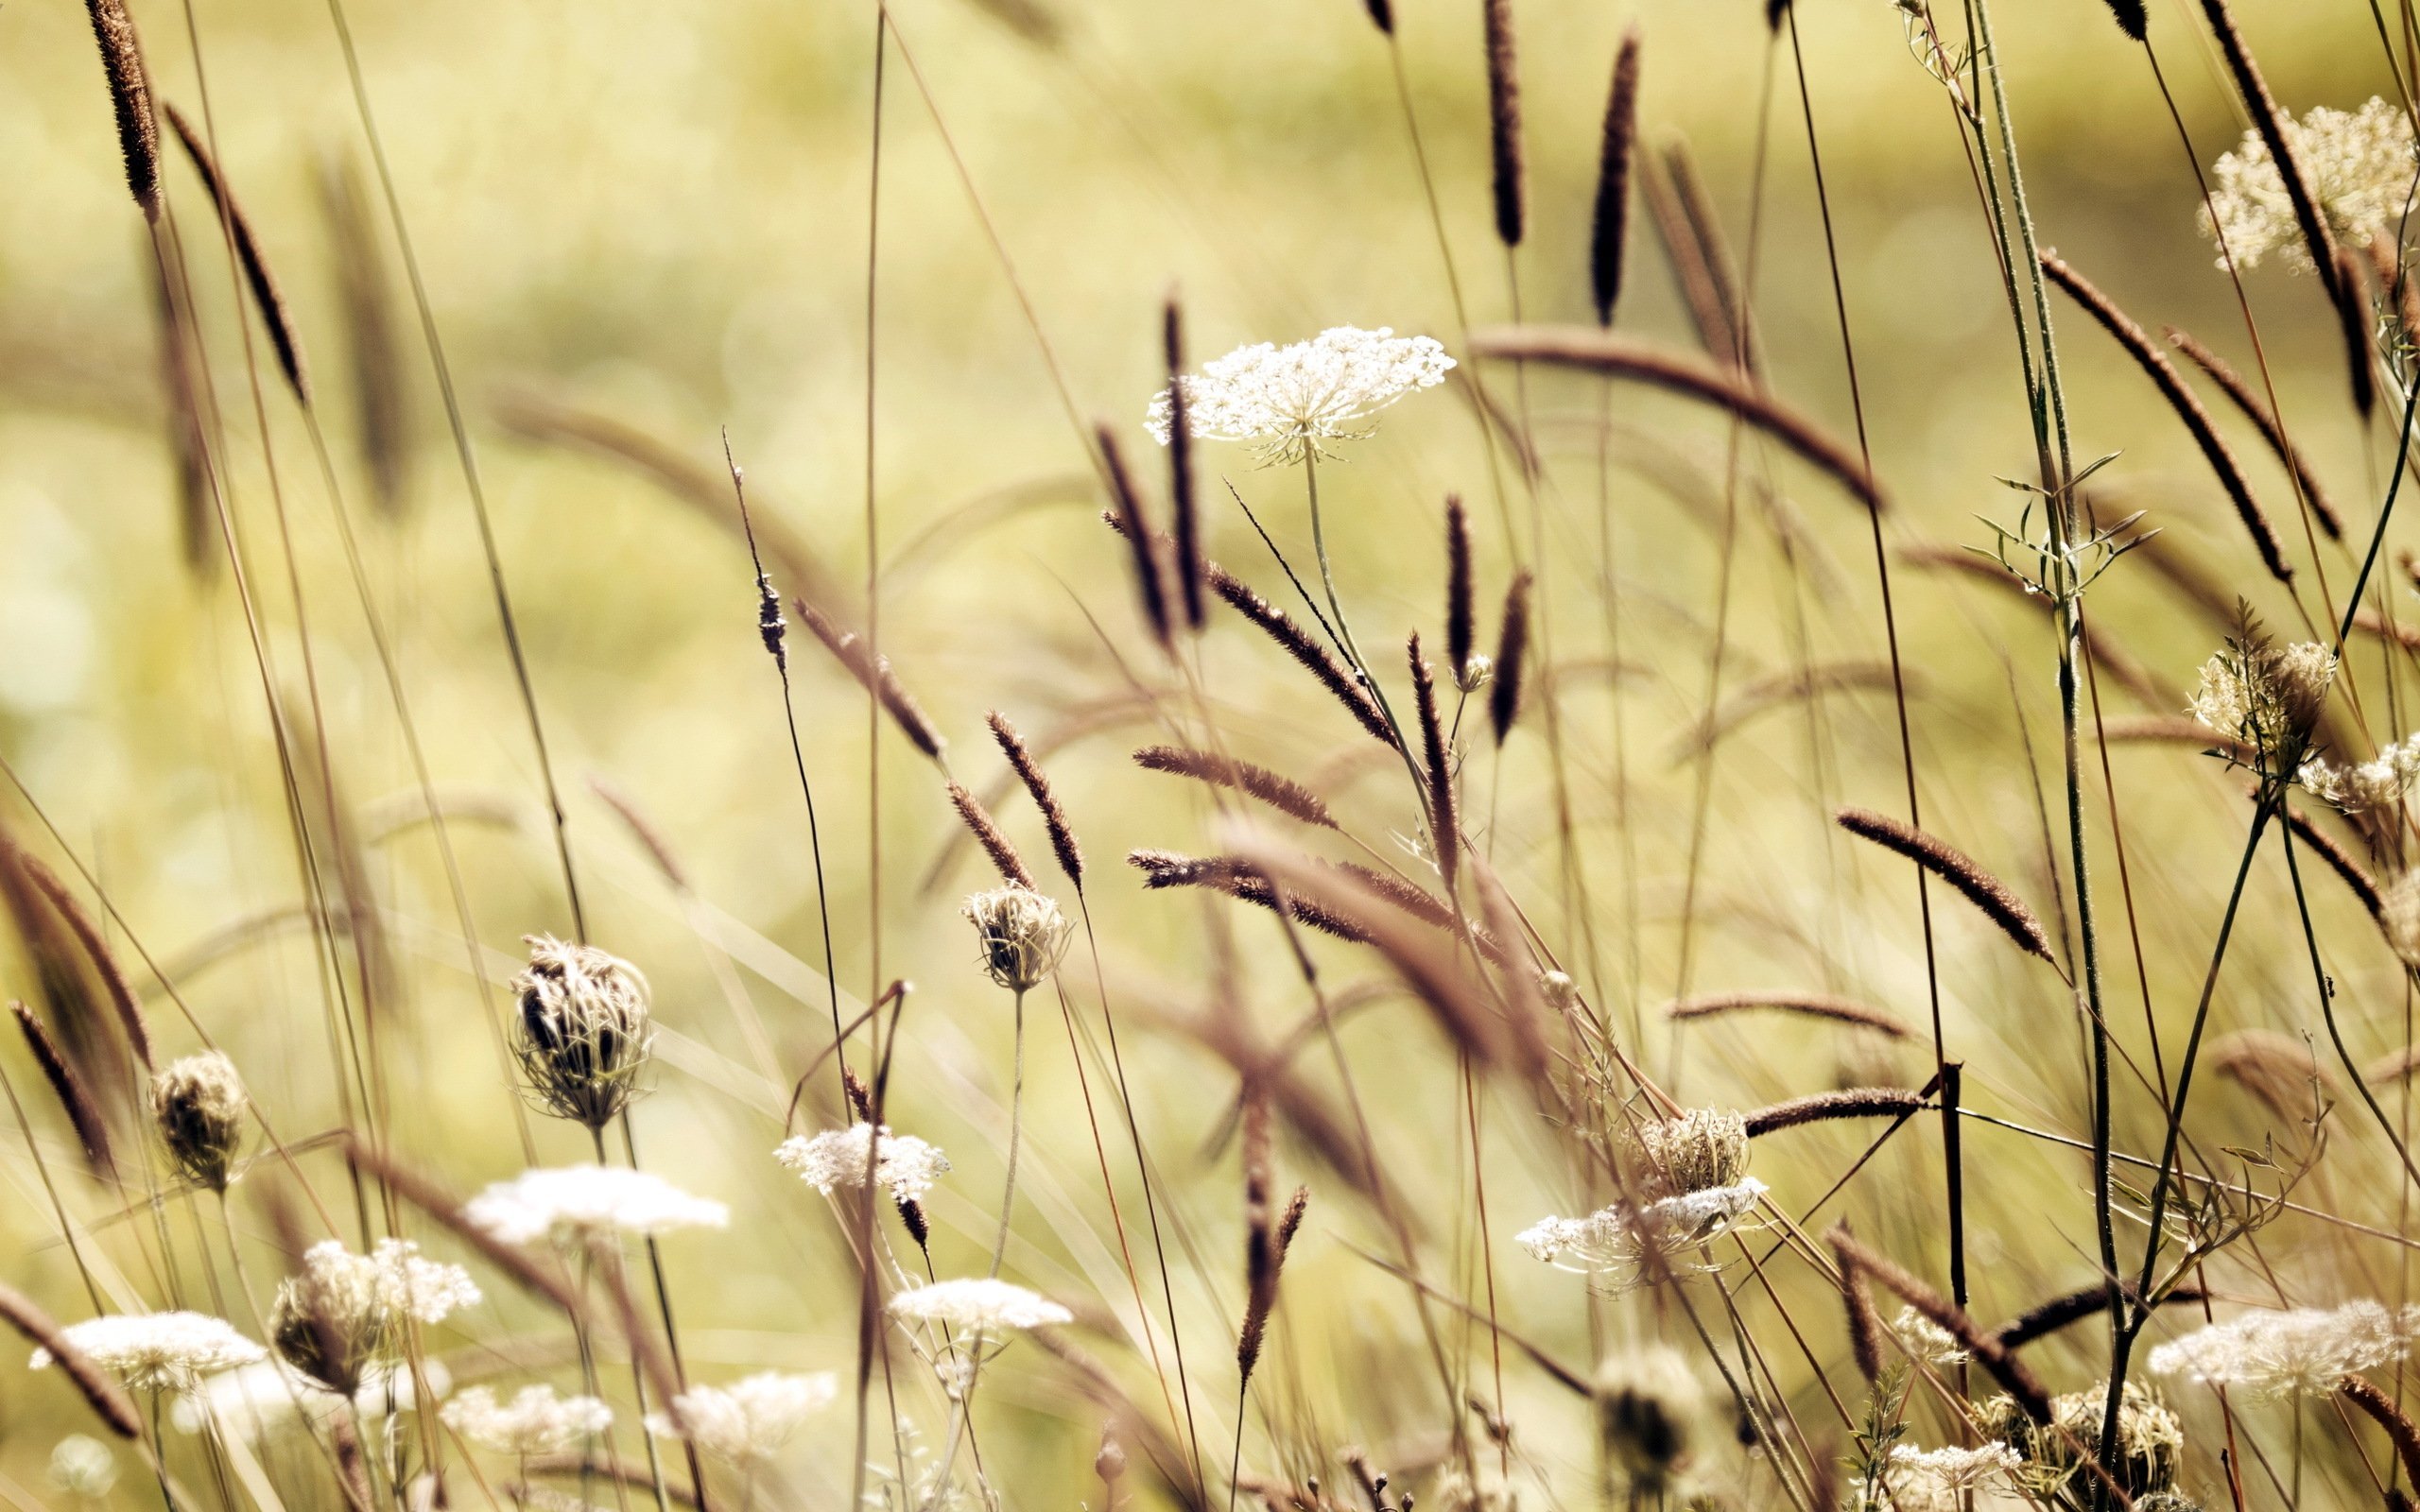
(1335,755)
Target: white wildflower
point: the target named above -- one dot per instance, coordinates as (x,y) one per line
(2359,164)
(1289,402)
(586,1205)
(2399,915)
(2300,1354)
(344,1313)
(1938,1480)
(1607,1238)
(979,1305)
(2265,696)
(158,1352)
(1704,1147)
(535,1421)
(835,1160)
(263,1399)
(1928,1340)
(747,1419)
(2371,784)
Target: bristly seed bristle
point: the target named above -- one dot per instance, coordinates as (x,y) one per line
(1037,785)
(1445,811)
(1511,650)
(1608,228)
(1953,866)
(989,834)
(1275,789)
(1504,122)
(138,135)
(257,277)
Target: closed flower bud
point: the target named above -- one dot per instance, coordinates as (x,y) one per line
(1475,673)
(583,1032)
(1022,933)
(198,1103)
(1559,991)
(1700,1149)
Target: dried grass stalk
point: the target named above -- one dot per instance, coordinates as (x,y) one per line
(124,1004)
(196,515)
(1956,868)
(1278,791)
(1037,784)
(2073,1307)
(107,1399)
(1512,656)
(1150,581)
(1504,122)
(59,963)
(989,834)
(876,675)
(1705,229)
(1701,291)
(138,134)
(1854,1101)
(1609,227)
(248,256)
(642,829)
(2172,729)
(2400,1430)
(2170,385)
(1461,605)
(1813,1005)
(1998,1363)
(1623,357)
(1444,810)
(1316,659)
(1266,1235)
(381,395)
(83,1113)
(2256,410)
(1184,511)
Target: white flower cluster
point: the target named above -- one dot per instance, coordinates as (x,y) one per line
(2361,169)
(1607,1238)
(1939,1480)
(979,1305)
(535,1421)
(264,1399)
(1928,1340)
(835,1160)
(2266,698)
(751,1417)
(1289,402)
(158,1352)
(579,1206)
(2302,1352)
(2372,784)
(393,1279)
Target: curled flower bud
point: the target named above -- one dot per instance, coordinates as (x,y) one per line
(1475,673)
(1023,935)
(1559,991)
(582,1033)
(197,1103)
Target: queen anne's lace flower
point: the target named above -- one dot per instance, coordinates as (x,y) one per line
(2372,784)
(835,1160)
(2265,696)
(158,1352)
(2361,169)
(2300,1354)
(353,1307)
(1928,1340)
(979,1305)
(535,1421)
(1607,1240)
(1289,402)
(747,1419)
(1021,932)
(1937,1480)
(265,1398)
(579,1205)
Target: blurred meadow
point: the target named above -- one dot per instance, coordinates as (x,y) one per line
(642,229)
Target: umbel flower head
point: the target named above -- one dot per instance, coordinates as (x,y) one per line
(2360,168)
(345,1313)
(981,1304)
(747,1419)
(1022,934)
(535,1421)
(2370,786)
(158,1352)
(1941,1480)
(2151,1441)
(1648,1411)
(2265,696)
(835,1160)
(1700,1149)
(583,1031)
(586,1206)
(198,1104)
(2302,1352)
(1292,402)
